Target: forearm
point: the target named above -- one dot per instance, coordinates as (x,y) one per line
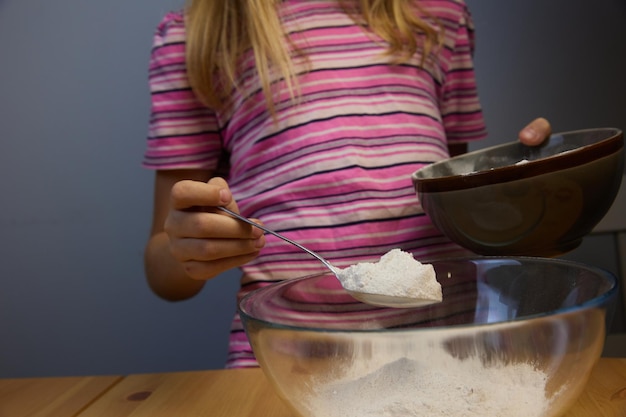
(166,276)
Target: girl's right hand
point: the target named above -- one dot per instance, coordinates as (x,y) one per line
(204,240)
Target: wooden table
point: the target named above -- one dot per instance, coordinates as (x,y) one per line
(52,397)
(223,393)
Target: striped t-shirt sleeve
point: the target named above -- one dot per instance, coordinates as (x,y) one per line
(460,107)
(183,133)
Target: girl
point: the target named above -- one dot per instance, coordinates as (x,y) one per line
(309,116)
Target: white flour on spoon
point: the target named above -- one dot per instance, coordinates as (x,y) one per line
(396,274)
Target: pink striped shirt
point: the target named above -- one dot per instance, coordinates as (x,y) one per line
(334,173)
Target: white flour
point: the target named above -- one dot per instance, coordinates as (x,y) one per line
(421,376)
(397,273)
(435,387)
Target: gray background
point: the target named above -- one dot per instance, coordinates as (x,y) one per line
(76,204)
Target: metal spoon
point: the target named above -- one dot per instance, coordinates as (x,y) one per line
(381,300)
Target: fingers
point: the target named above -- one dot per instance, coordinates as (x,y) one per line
(201,270)
(226,198)
(208,224)
(204,250)
(535,132)
(206,235)
(205,241)
(207,244)
(187,194)
(203,258)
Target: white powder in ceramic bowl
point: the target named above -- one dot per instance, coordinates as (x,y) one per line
(397,273)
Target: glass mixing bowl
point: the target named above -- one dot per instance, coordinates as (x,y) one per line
(512,337)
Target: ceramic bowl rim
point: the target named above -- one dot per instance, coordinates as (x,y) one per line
(613,143)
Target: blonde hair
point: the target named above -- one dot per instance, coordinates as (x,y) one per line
(220,31)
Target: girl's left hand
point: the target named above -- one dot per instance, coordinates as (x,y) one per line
(535,132)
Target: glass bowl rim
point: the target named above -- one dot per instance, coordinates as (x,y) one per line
(594,302)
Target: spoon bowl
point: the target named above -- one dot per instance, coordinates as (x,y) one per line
(390,301)
(375,299)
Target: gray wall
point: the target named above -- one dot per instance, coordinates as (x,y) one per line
(565,60)
(76,204)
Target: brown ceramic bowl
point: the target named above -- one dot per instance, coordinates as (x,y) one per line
(513,199)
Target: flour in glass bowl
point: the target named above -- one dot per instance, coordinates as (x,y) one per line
(435,388)
(397,273)
(431,382)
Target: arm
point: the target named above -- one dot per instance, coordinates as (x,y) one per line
(188,246)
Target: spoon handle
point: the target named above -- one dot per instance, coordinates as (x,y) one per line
(278,235)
